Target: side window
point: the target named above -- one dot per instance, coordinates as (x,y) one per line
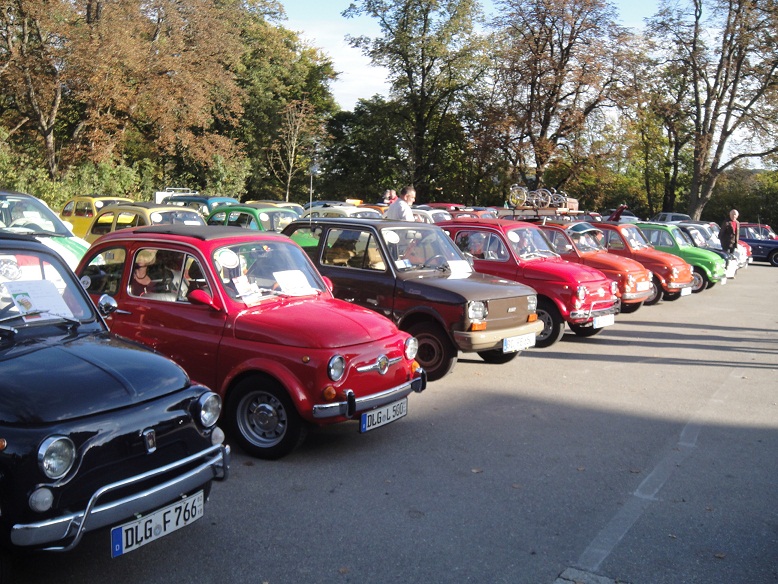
(84,209)
(217,218)
(614,240)
(127,219)
(67,210)
(472,243)
(193,279)
(103,273)
(666,239)
(102,224)
(367,254)
(340,247)
(157,274)
(308,239)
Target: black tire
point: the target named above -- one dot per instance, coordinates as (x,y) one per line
(631,307)
(584,331)
(497,357)
(437,354)
(656,293)
(553,325)
(773,258)
(671,296)
(701,281)
(263,419)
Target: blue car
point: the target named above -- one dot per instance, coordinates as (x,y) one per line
(762,249)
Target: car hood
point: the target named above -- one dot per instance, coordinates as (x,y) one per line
(561,271)
(610,262)
(56,380)
(439,287)
(325,323)
(651,255)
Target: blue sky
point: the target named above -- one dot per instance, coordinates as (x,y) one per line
(321,24)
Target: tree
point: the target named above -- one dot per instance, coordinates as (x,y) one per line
(295,146)
(730,57)
(559,67)
(432,54)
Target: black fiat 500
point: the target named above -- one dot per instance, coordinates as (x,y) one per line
(95,432)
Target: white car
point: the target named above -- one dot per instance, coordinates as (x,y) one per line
(22,213)
(343,211)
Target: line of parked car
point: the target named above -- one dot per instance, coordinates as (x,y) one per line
(175,316)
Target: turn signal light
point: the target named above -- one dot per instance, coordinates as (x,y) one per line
(478,326)
(3,444)
(532,317)
(329,393)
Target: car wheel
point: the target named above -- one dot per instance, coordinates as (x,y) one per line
(583,331)
(497,357)
(670,296)
(631,307)
(263,419)
(437,354)
(700,282)
(773,258)
(656,293)
(553,325)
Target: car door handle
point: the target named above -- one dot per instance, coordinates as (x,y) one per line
(349,299)
(372,301)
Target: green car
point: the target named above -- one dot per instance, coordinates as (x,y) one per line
(709,268)
(256,217)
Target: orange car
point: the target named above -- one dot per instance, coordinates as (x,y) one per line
(672,276)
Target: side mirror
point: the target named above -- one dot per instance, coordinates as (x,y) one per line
(107,305)
(201,297)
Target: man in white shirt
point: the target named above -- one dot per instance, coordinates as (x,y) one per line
(400,209)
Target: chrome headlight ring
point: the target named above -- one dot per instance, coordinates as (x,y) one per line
(477,310)
(336,367)
(209,409)
(56,456)
(411,348)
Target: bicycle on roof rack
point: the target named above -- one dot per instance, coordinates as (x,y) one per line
(522,197)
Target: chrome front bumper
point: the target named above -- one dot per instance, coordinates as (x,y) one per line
(353,404)
(591,312)
(214,466)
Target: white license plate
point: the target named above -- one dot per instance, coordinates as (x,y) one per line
(686,291)
(518,343)
(604,320)
(643,286)
(723,280)
(383,415)
(134,534)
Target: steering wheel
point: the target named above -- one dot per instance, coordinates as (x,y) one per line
(435,261)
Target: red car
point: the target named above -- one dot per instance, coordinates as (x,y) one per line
(672,276)
(247,314)
(579,295)
(578,242)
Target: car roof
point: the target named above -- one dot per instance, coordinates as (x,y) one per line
(485,222)
(200,232)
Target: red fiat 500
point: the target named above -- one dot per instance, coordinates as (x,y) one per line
(579,295)
(248,314)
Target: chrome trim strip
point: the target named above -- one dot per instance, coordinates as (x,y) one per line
(377,365)
(214,467)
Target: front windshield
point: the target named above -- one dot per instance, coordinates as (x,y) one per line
(695,236)
(423,247)
(276,220)
(681,238)
(253,271)
(635,238)
(37,288)
(22,214)
(587,241)
(178,217)
(529,243)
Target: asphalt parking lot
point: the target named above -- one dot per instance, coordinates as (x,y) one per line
(646,454)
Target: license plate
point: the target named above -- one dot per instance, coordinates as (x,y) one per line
(643,286)
(686,291)
(134,534)
(383,415)
(723,280)
(518,343)
(604,320)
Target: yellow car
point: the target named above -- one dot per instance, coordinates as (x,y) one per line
(139,214)
(79,211)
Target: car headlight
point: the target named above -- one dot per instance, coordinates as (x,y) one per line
(56,456)
(532,303)
(411,347)
(674,272)
(210,406)
(336,368)
(614,287)
(630,281)
(580,292)
(476,310)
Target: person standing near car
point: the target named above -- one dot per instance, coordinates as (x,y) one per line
(728,235)
(400,209)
